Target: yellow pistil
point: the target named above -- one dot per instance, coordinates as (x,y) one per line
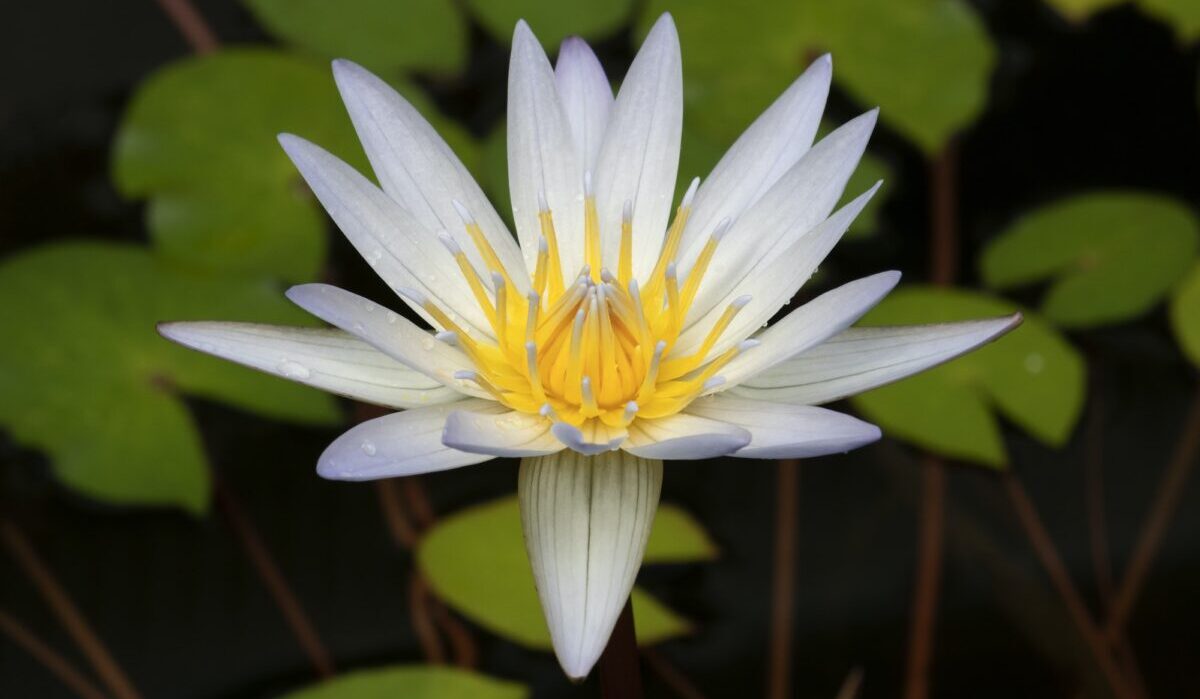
(598,353)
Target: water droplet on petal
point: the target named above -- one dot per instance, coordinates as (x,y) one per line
(368,448)
(293,370)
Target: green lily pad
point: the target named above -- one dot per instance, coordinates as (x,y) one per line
(412,682)
(1110,256)
(1032,376)
(1181,15)
(1185,315)
(85,377)
(383,35)
(488,537)
(551,20)
(744,54)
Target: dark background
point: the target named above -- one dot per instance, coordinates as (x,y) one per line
(1112,103)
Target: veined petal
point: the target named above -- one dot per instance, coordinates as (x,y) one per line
(419,170)
(800,200)
(594,437)
(785,431)
(586,97)
(324,358)
(402,251)
(684,436)
(859,359)
(763,153)
(541,154)
(773,281)
(639,159)
(586,522)
(809,325)
(508,434)
(400,444)
(389,332)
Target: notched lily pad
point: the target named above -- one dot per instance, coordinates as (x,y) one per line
(85,377)
(1109,256)
(1032,376)
(488,537)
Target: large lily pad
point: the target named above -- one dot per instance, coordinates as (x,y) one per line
(1109,256)
(1032,377)
(488,538)
(551,20)
(85,377)
(1185,315)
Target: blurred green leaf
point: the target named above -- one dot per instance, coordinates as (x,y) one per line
(1182,15)
(198,140)
(1185,315)
(84,376)
(926,63)
(412,682)
(488,538)
(1110,256)
(1032,376)
(676,537)
(384,35)
(551,20)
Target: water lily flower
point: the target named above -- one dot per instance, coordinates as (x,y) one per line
(608,335)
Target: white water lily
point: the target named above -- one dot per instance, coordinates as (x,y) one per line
(608,335)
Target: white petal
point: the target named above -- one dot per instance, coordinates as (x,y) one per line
(389,332)
(508,434)
(586,522)
(586,97)
(593,438)
(801,199)
(402,251)
(683,436)
(773,281)
(328,359)
(541,155)
(784,431)
(640,156)
(400,444)
(763,153)
(859,359)
(812,323)
(419,170)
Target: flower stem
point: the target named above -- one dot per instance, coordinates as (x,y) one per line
(48,657)
(620,672)
(779,677)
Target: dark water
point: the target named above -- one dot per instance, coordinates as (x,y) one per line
(1111,104)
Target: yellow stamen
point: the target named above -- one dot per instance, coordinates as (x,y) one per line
(554,272)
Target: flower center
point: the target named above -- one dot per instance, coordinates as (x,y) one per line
(599,347)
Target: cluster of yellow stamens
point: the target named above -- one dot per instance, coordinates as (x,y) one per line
(597,347)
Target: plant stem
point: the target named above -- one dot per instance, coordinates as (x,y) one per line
(1166,500)
(620,673)
(48,657)
(779,670)
(943,262)
(191,25)
(671,675)
(256,550)
(68,614)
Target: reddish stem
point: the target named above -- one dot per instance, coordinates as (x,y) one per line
(779,669)
(48,657)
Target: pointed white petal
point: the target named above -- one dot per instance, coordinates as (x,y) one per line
(800,200)
(508,434)
(683,436)
(640,156)
(859,359)
(809,325)
(324,358)
(389,332)
(586,522)
(419,170)
(774,280)
(763,153)
(400,444)
(784,431)
(402,251)
(586,97)
(593,438)
(541,155)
